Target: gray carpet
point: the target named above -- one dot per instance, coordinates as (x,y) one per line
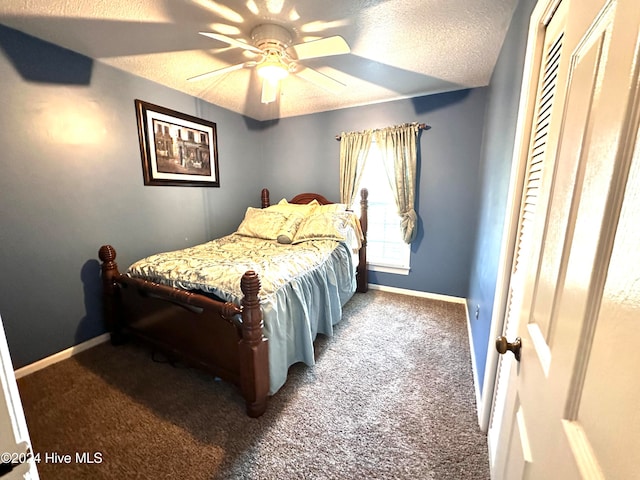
(390,397)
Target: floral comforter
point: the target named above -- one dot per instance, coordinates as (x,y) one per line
(217,266)
(303,287)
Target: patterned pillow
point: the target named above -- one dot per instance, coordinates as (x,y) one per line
(289,228)
(262,223)
(323,226)
(331,207)
(293,208)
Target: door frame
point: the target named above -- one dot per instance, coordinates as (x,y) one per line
(542,13)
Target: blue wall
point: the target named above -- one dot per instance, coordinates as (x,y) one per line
(448,169)
(493,182)
(72,181)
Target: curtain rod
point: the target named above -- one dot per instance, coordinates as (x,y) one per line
(421,126)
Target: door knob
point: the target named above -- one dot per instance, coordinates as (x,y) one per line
(502,346)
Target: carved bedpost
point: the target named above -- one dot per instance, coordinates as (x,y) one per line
(265,198)
(111,301)
(363,273)
(254,351)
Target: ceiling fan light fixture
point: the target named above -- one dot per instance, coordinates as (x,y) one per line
(278,57)
(272,71)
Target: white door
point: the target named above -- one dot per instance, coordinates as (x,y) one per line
(569,410)
(16,457)
(543,101)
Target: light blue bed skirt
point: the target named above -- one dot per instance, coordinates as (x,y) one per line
(306,306)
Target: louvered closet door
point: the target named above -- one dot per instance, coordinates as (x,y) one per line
(572,399)
(535,190)
(577,383)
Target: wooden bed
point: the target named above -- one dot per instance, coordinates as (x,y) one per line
(223,338)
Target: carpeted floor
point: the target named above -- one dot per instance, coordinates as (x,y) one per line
(390,397)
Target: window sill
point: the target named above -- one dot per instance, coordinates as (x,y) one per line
(388,269)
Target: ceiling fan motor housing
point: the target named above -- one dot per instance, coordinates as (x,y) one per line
(271,36)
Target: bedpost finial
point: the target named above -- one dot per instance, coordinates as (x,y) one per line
(250,284)
(265,198)
(107,253)
(364,194)
(253,348)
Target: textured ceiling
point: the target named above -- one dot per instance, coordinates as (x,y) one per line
(399,48)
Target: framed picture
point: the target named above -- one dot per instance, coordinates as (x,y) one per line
(176,149)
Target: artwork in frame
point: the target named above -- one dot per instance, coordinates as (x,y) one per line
(176,148)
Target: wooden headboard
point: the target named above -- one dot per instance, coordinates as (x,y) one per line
(303,198)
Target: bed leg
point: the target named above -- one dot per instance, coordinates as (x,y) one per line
(111,300)
(254,352)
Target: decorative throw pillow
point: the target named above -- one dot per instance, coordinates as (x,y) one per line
(323,226)
(293,208)
(289,228)
(331,207)
(262,223)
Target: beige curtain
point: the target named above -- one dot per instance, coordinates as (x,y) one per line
(399,148)
(354,148)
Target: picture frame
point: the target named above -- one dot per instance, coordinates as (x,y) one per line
(176,148)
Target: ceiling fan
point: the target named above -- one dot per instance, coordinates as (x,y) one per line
(277,58)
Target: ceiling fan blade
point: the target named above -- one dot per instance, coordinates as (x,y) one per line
(231,41)
(269,91)
(221,71)
(323,47)
(321,80)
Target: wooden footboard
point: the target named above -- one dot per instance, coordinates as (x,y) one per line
(225,339)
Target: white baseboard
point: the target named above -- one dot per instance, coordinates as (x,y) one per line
(474,366)
(63,355)
(417,293)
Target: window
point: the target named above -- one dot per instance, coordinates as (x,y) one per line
(386,251)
